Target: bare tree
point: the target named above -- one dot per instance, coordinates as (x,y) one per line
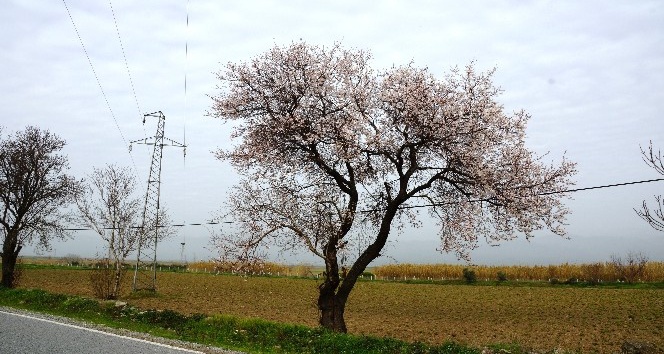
(331,149)
(34,190)
(654,216)
(110,207)
(631,268)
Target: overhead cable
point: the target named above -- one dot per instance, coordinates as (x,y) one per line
(543,193)
(103,93)
(124,56)
(94,72)
(415,206)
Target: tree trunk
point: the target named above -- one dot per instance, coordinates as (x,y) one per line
(331,308)
(8,265)
(116,281)
(330,305)
(10,251)
(334,292)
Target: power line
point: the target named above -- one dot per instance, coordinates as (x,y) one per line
(103,93)
(131,81)
(184,124)
(543,193)
(160,226)
(94,72)
(415,206)
(186,64)
(604,186)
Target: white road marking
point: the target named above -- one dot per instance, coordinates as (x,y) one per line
(102,332)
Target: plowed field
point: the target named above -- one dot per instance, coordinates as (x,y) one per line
(540,318)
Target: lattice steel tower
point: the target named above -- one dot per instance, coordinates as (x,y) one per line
(145,272)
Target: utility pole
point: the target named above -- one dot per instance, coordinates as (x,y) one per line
(145,272)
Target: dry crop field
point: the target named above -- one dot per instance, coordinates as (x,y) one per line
(540,318)
(606,272)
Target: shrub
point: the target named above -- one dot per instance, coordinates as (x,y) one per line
(73,259)
(593,273)
(632,268)
(571,281)
(300,270)
(502,276)
(469,275)
(102,280)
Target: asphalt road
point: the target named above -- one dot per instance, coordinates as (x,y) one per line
(36,334)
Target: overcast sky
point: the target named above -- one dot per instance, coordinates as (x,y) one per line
(591,73)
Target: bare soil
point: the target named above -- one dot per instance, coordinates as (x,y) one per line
(538,318)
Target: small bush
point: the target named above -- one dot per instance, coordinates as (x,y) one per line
(300,270)
(73,260)
(593,273)
(502,276)
(632,268)
(469,275)
(571,281)
(102,280)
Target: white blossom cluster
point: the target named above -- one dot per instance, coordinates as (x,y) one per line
(330,148)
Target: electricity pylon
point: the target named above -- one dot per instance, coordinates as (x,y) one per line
(183,258)
(145,272)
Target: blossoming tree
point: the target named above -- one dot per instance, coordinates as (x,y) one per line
(330,149)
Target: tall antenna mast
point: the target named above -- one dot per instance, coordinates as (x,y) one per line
(145,273)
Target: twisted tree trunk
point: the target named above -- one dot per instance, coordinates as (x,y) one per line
(334,292)
(331,307)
